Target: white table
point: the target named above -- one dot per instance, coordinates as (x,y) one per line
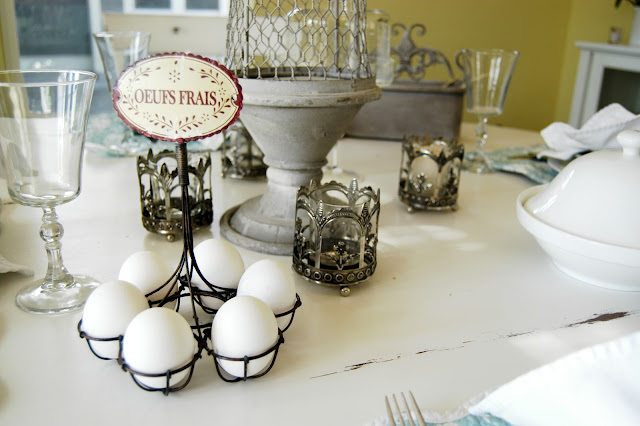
(461,302)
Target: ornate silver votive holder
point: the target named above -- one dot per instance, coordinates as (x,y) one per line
(241,157)
(336,234)
(160,192)
(430,173)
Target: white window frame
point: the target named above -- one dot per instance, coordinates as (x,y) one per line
(177,7)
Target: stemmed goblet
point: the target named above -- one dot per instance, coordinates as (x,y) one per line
(487,74)
(43,116)
(378,37)
(118,50)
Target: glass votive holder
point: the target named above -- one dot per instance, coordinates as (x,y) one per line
(161,194)
(336,234)
(241,157)
(430,173)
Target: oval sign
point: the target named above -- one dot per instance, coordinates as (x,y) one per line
(177,97)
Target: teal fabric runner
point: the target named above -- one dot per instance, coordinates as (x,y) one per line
(523,161)
(105,133)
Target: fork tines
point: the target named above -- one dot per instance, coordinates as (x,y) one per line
(394,411)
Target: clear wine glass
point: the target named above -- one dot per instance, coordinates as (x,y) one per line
(487,74)
(378,37)
(43,116)
(118,50)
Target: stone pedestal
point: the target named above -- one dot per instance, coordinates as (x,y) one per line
(295,124)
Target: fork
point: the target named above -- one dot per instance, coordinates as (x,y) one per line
(411,412)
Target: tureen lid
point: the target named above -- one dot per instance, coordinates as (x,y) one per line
(596,196)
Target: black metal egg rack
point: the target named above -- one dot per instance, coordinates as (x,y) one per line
(179,287)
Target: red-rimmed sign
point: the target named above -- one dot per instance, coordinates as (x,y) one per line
(177,97)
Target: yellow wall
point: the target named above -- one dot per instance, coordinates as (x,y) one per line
(2,63)
(544,31)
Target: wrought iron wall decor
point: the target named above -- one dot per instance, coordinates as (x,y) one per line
(412,60)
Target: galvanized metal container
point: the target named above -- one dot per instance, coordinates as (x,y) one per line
(409,108)
(412,105)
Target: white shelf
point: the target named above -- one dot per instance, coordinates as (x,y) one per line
(592,80)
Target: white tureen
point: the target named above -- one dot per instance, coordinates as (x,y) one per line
(587,220)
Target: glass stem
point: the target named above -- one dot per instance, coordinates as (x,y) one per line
(51,231)
(481,135)
(332,158)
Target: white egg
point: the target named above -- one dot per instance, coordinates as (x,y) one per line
(273,283)
(244,326)
(159,340)
(220,264)
(107,313)
(148,271)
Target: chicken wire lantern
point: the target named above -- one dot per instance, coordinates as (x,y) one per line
(304,72)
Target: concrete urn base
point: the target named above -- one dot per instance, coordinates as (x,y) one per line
(295,124)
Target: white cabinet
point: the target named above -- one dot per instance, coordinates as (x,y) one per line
(606,73)
(202,35)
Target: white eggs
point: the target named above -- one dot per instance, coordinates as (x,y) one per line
(107,313)
(148,271)
(244,326)
(221,265)
(156,341)
(271,282)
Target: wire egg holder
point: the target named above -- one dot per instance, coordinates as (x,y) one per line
(179,286)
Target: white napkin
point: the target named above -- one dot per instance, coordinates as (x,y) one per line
(6,266)
(599,132)
(599,386)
